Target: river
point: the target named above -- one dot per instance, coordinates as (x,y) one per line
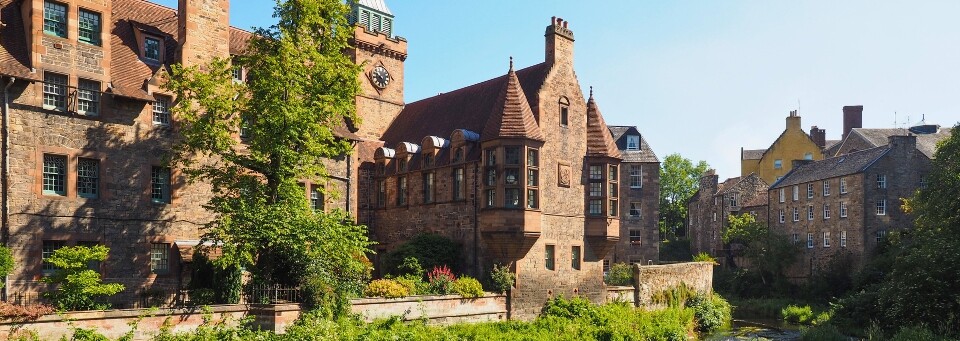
(758,329)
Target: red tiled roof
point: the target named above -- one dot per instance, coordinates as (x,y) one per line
(599,140)
(466,108)
(128,71)
(14,56)
(511,116)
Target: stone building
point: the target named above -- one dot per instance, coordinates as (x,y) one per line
(639,199)
(841,208)
(775,161)
(520,169)
(86,126)
(709,207)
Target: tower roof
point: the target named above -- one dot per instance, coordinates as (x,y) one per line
(599,140)
(512,116)
(378,5)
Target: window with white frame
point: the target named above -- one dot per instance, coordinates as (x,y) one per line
(843,238)
(636,237)
(796,214)
(54,91)
(636,176)
(161,111)
(635,209)
(881,181)
(160,258)
(316,198)
(843,185)
(54,174)
(49,247)
(881,234)
(810,212)
(826,188)
(809,240)
(843,209)
(808,156)
(633,142)
(782,197)
(88,177)
(826,211)
(734,199)
(160,184)
(882,207)
(809,191)
(88,97)
(826,239)
(777,164)
(782,218)
(796,192)
(714,216)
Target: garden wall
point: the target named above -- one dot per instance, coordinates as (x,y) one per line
(274,317)
(651,279)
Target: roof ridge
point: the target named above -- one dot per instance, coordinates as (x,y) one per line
(473,85)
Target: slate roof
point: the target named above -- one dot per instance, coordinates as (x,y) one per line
(644,154)
(846,164)
(128,72)
(599,140)
(752,154)
(466,108)
(379,5)
(871,137)
(727,184)
(511,116)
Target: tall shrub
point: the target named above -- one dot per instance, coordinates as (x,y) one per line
(430,250)
(79,287)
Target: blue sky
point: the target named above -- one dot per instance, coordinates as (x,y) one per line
(699,78)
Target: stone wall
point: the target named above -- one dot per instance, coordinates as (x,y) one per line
(649,280)
(273,317)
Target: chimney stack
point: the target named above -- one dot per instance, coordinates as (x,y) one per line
(204,31)
(852,118)
(559,45)
(793,121)
(819,136)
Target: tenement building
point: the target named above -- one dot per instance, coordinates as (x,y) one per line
(639,199)
(710,206)
(521,169)
(841,208)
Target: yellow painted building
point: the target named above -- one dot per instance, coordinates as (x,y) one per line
(776,161)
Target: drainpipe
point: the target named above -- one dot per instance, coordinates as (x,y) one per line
(476,220)
(5,211)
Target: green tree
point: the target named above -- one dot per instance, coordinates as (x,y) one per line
(769,253)
(921,288)
(679,179)
(6,262)
(79,287)
(301,87)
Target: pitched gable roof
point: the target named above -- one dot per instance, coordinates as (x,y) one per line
(846,164)
(752,154)
(599,139)
(511,116)
(465,108)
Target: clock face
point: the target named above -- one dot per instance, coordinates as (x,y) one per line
(380,77)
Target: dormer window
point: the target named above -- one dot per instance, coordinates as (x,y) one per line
(633,142)
(427,159)
(89,27)
(458,155)
(402,165)
(55,19)
(151,49)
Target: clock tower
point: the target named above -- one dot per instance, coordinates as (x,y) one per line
(381,55)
